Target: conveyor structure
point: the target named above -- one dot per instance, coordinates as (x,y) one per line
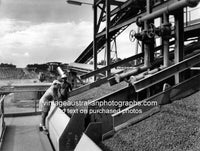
(162,75)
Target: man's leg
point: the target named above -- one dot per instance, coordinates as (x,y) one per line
(43,118)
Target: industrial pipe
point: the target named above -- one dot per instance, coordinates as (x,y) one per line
(147,49)
(137,77)
(122,76)
(166,43)
(143,75)
(153,71)
(168,9)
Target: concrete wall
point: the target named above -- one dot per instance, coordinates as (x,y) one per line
(26,96)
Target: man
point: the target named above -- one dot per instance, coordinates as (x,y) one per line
(65,88)
(45,102)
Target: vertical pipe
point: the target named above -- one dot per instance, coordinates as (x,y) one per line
(146,46)
(107,35)
(186,16)
(137,42)
(148,3)
(137,46)
(146,49)
(166,43)
(94,37)
(161,39)
(179,43)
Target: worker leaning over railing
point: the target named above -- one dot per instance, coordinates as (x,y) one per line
(66,87)
(45,102)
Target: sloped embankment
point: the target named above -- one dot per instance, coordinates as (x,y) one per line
(98,92)
(175,128)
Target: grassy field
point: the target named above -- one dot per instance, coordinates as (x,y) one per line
(175,128)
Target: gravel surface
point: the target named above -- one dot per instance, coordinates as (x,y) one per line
(97,92)
(175,128)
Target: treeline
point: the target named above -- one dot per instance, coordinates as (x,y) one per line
(6,65)
(38,66)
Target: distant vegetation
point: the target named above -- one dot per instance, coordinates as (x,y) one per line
(38,66)
(6,65)
(44,72)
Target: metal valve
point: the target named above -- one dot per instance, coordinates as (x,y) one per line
(145,36)
(132,35)
(151,31)
(164,31)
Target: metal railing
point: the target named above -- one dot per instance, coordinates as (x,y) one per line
(16,105)
(22,99)
(2,122)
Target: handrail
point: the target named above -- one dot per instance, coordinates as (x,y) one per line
(23,88)
(2,105)
(2,122)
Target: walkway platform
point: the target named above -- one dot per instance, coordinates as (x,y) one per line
(22,134)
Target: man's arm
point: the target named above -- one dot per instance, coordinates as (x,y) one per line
(70,86)
(55,94)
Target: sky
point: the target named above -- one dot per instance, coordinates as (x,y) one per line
(40,31)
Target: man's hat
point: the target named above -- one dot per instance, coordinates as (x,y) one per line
(61,73)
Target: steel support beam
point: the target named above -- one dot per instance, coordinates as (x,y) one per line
(166,73)
(100,17)
(179,40)
(116,10)
(108,36)
(112,66)
(98,2)
(94,37)
(114,2)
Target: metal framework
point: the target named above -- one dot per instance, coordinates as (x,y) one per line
(161,78)
(125,13)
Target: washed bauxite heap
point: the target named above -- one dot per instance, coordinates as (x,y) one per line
(175,128)
(98,92)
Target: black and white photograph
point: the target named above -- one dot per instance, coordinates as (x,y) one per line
(99,75)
